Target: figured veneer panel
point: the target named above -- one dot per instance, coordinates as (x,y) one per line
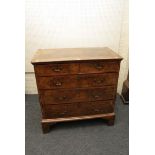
(55,82)
(97,94)
(59,96)
(97,80)
(56,69)
(77,95)
(77,81)
(78,109)
(99,67)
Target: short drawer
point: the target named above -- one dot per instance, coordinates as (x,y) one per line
(98,107)
(77,95)
(97,80)
(56,69)
(59,96)
(60,111)
(55,82)
(78,109)
(97,94)
(99,67)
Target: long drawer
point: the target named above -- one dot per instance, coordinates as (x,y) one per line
(77,95)
(77,81)
(77,109)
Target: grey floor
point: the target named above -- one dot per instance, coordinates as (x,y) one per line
(89,137)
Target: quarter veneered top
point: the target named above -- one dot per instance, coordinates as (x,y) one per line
(74,54)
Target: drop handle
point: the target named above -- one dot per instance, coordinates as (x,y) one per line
(98,66)
(58,83)
(96,96)
(98,81)
(52,83)
(62,98)
(57,69)
(96,110)
(63,113)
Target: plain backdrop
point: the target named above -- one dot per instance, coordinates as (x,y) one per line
(75,23)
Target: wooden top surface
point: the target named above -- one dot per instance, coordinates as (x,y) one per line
(74,54)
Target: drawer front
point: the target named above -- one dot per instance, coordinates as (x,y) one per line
(57,82)
(79,81)
(59,96)
(56,69)
(77,95)
(99,67)
(77,109)
(97,80)
(98,107)
(97,94)
(59,111)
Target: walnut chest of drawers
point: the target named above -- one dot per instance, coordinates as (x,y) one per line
(76,83)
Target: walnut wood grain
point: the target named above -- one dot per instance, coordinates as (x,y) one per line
(74,54)
(77,109)
(56,69)
(77,81)
(97,80)
(56,82)
(77,95)
(76,68)
(99,67)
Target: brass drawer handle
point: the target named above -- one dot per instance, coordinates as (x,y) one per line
(62,98)
(99,81)
(58,83)
(96,96)
(63,113)
(52,83)
(98,66)
(57,69)
(96,110)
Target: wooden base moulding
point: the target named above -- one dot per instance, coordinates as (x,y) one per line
(46,123)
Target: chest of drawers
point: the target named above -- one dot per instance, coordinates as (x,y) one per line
(75,84)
